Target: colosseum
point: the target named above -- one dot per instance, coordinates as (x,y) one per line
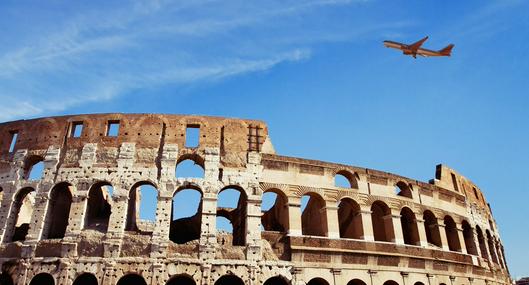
(79,221)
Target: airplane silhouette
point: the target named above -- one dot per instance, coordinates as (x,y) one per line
(415,49)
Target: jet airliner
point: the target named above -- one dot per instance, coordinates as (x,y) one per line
(415,49)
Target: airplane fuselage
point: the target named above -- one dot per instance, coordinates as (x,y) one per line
(410,50)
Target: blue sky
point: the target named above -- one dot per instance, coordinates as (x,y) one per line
(315,71)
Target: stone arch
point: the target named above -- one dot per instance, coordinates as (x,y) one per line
(234,213)
(42,279)
(356,282)
(452,235)
(276,218)
(186,220)
(131,279)
(350,219)
(491,247)
(6,279)
(33,167)
(229,280)
(190,166)
(317,281)
(481,241)
(349,177)
(410,231)
(276,280)
(390,282)
(468,234)
(181,279)
(135,204)
(314,216)
(21,213)
(403,189)
(85,279)
(382,222)
(99,206)
(58,211)
(433,236)
(418,283)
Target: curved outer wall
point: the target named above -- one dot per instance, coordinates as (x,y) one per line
(440,232)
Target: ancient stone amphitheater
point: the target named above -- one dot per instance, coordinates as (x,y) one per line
(67,227)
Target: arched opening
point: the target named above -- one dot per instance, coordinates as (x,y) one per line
(58,211)
(42,279)
(274,207)
(452,235)
(186,215)
(229,280)
(468,234)
(498,252)
(350,219)
(21,213)
(491,247)
(433,236)
(181,280)
(131,279)
(356,282)
(141,209)
(418,283)
(409,227)
(5,279)
(99,206)
(1,195)
(34,167)
(231,204)
(317,281)
(276,280)
(390,282)
(313,215)
(481,241)
(382,222)
(345,179)
(189,167)
(403,189)
(85,279)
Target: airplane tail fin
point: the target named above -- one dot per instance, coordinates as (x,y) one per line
(447,50)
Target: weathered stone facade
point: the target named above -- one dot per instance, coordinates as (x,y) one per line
(65,228)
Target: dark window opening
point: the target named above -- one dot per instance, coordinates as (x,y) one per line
(454,182)
(403,189)
(382,222)
(99,206)
(452,234)
(475,192)
(85,279)
(58,211)
(112,128)
(231,204)
(141,209)
(186,216)
(350,219)
(131,279)
(229,280)
(76,129)
(192,136)
(409,227)
(468,235)
(14,137)
(433,236)
(181,280)
(22,211)
(42,279)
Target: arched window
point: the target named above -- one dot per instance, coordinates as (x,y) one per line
(190,167)
(313,215)
(98,207)
(181,280)
(491,247)
(418,283)
(468,234)
(481,241)
(382,222)
(34,167)
(85,279)
(432,229)
(345,179)
(409,227)
(350,219)
(452,235)
(231,204)
(229,280)
(131,279)
(42,279)
(142,204)
(403,189)
(276,280)
(317,281)
(186,215)
(5,279)
(274,207)
(390,282)
(21,213)
(58,211)
(356,282)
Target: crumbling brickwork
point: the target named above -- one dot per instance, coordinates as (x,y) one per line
(79,222)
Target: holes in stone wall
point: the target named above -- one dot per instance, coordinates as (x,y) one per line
(76,129)
(112,128)
(99,206)
(141,209)
(275,211)
(231,204)
(350,219)
(403,189)
(410,231)
(186,216)
(42,279)
(22,211)
(452,235)
(431,227)
(58,211)
(189,168)
(313,215)
(382,222)
(192,136)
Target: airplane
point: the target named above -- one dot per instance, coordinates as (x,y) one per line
(415,49)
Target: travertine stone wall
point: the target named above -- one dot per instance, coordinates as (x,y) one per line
(380,228)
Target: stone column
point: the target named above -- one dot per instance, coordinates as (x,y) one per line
(367,223)
(442,233)
(423,239)
(208,227)
(77,214)
(294,216)
(118,218)
(461,237)
(6,213)
(333,227)
(253,230)
(39,218)
(397,226)
(160,235)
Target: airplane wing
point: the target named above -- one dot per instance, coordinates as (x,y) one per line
(415,46)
